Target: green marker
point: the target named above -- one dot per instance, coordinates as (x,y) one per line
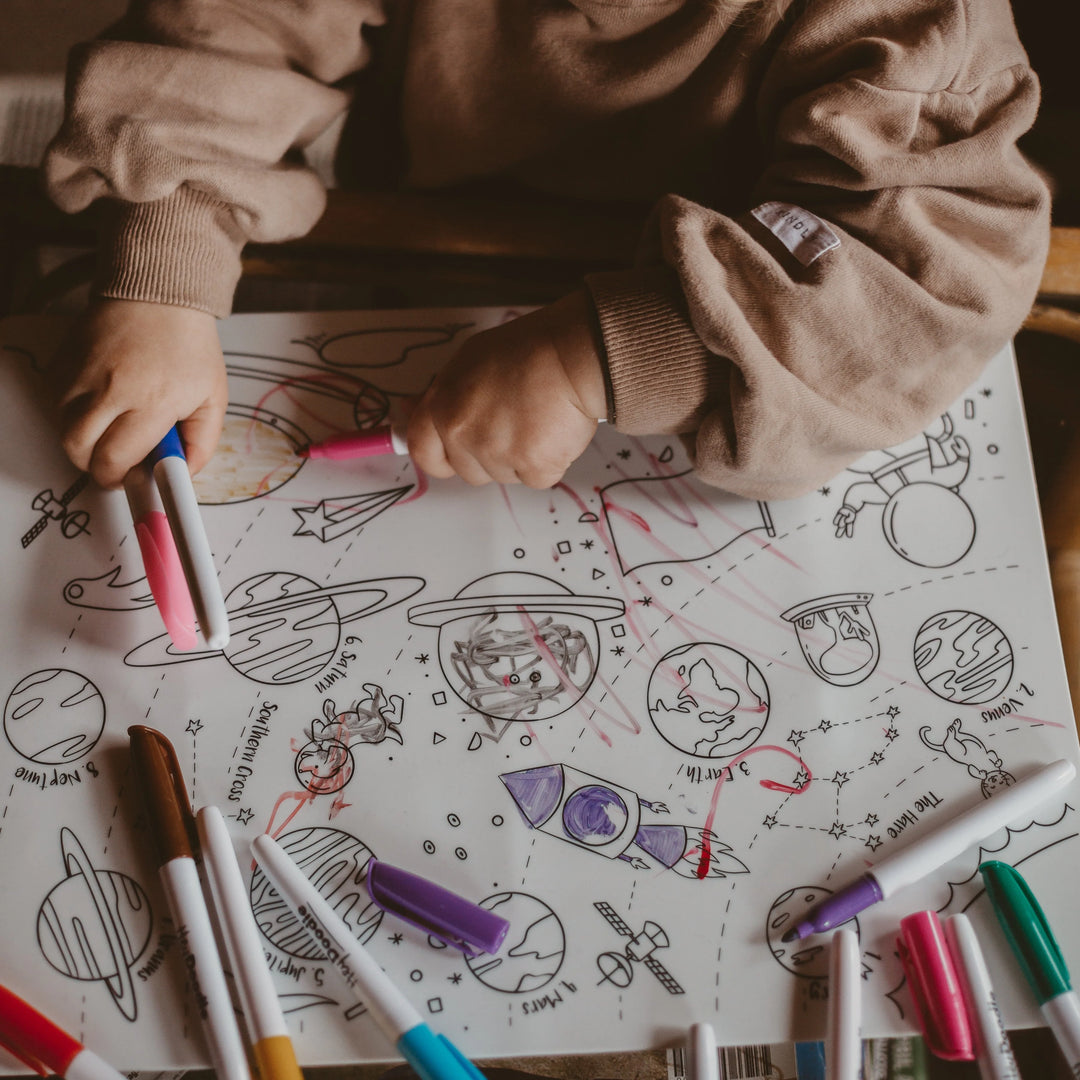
(1033,944)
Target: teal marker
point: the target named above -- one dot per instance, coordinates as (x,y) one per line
(1032,942)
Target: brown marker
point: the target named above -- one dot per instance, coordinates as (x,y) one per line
(169,812)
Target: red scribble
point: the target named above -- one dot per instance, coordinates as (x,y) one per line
(770,785)
(301,798)
(630,515)
(422,485)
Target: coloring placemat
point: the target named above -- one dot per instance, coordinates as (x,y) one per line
(648,722)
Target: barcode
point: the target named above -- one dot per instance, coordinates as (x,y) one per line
(746,1062)
(736,1063)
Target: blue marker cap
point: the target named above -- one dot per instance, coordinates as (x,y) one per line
(435,1057)
(170,446)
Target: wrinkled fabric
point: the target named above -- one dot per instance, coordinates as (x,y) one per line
(892,123)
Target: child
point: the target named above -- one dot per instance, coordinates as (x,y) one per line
(842,232)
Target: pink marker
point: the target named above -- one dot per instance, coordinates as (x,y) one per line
(161,560)
(935,987)
(358,444)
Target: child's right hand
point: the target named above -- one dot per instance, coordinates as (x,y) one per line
(127,373)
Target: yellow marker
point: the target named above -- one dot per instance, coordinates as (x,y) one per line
(275,1058)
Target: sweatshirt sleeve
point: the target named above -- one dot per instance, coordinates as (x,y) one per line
(186,117)
(895,242)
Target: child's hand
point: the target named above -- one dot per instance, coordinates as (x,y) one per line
(129,371)
(518,403)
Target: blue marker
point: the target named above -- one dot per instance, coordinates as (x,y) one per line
(433,1057)
(182,509)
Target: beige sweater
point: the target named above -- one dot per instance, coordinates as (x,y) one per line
(843,229)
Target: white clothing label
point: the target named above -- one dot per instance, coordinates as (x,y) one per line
(805,235)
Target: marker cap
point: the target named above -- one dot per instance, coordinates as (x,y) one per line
(435,910)
(434,1057)
(935,987)
(170,446)
(1027,930)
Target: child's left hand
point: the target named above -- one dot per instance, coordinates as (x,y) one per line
(517,404)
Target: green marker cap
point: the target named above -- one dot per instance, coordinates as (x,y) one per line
(1027,930)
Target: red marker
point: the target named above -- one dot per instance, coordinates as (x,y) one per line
(358,444)
(39,1043)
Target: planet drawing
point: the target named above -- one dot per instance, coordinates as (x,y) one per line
(518,646)
(337,864)
(54,716)
(532,951)
(285,628)
(95,924)
(708,700)
(963,657)
(808,959)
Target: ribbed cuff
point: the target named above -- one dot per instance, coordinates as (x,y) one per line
(660,373)
(182,250)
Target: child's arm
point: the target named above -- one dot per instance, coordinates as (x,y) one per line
(895,126)
(183,123)
(131,370)
(518,403)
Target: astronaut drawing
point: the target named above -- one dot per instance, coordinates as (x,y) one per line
(925,520)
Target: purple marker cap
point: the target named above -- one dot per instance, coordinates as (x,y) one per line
(838,908)
(435,910)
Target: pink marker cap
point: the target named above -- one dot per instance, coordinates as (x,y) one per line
(165,576)
(935,987)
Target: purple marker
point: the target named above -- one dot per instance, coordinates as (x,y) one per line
(923,856)
(451,918)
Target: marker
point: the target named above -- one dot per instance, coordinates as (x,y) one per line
(843,1045)
(360,444)
(1037,952)
(921,857)
(275,1058)
(935,987)
(432,1057)
(357,444)
(182,509)
(169,811)
(161,561)
(451,918)
(704,1060)
(37,1042)
(993,1051)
